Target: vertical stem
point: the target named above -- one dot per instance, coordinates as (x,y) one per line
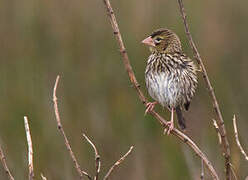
(220,121)
(30,149)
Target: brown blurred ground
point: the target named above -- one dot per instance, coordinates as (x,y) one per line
(40,39)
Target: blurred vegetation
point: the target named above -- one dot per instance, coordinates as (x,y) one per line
(40,39)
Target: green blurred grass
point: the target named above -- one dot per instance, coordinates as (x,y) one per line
(40,39)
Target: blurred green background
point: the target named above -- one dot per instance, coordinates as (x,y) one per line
(40,39)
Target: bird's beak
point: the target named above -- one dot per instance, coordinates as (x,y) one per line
(149,41)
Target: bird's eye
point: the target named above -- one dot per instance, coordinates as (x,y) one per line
(158,39)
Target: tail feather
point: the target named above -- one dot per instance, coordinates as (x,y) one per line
(180,118)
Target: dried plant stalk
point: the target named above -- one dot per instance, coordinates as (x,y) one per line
(117,163)
(5,166)
(60,127)
(237,138)
(97,157)
(30,149)
(220,121)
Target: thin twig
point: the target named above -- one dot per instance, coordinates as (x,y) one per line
(143,99)
(233,172)
(67,144)
(97,157)
(237,138)
(30,149)
(4,163)
(43,177)
(217,130)
(202,170)
(220,121)
(117,163)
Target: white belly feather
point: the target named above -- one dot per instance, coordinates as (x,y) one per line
(165,89)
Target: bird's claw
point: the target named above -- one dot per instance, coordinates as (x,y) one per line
(169,128)
(150,106)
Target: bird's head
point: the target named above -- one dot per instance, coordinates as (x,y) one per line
(163,41)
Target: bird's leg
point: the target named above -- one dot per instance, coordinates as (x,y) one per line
(150,106)
(170,124)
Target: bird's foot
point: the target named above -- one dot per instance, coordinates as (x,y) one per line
(150,106)
(169,128)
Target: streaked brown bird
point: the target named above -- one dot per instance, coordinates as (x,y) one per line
(170,75)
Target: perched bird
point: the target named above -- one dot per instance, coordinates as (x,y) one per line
(170,75)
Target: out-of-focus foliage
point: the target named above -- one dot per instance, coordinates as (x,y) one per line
(40,39)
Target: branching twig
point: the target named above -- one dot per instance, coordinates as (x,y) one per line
(117,163)
(220,121)
(97,157)
(3,160)
(30,149)
(217,130)
(134,82)
(237,138)
(60,127)
(233,172)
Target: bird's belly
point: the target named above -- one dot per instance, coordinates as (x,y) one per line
(164,88)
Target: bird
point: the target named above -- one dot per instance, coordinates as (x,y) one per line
(170,75)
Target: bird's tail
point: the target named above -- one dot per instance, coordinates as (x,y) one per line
(180,118)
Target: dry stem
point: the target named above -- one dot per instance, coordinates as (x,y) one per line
(4,163)
(233,172)
(43,177)
(117,163)
(143,99)
(237,138)
(60,127)
(97,157)
(217,130)
(30,149)
(220,121)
